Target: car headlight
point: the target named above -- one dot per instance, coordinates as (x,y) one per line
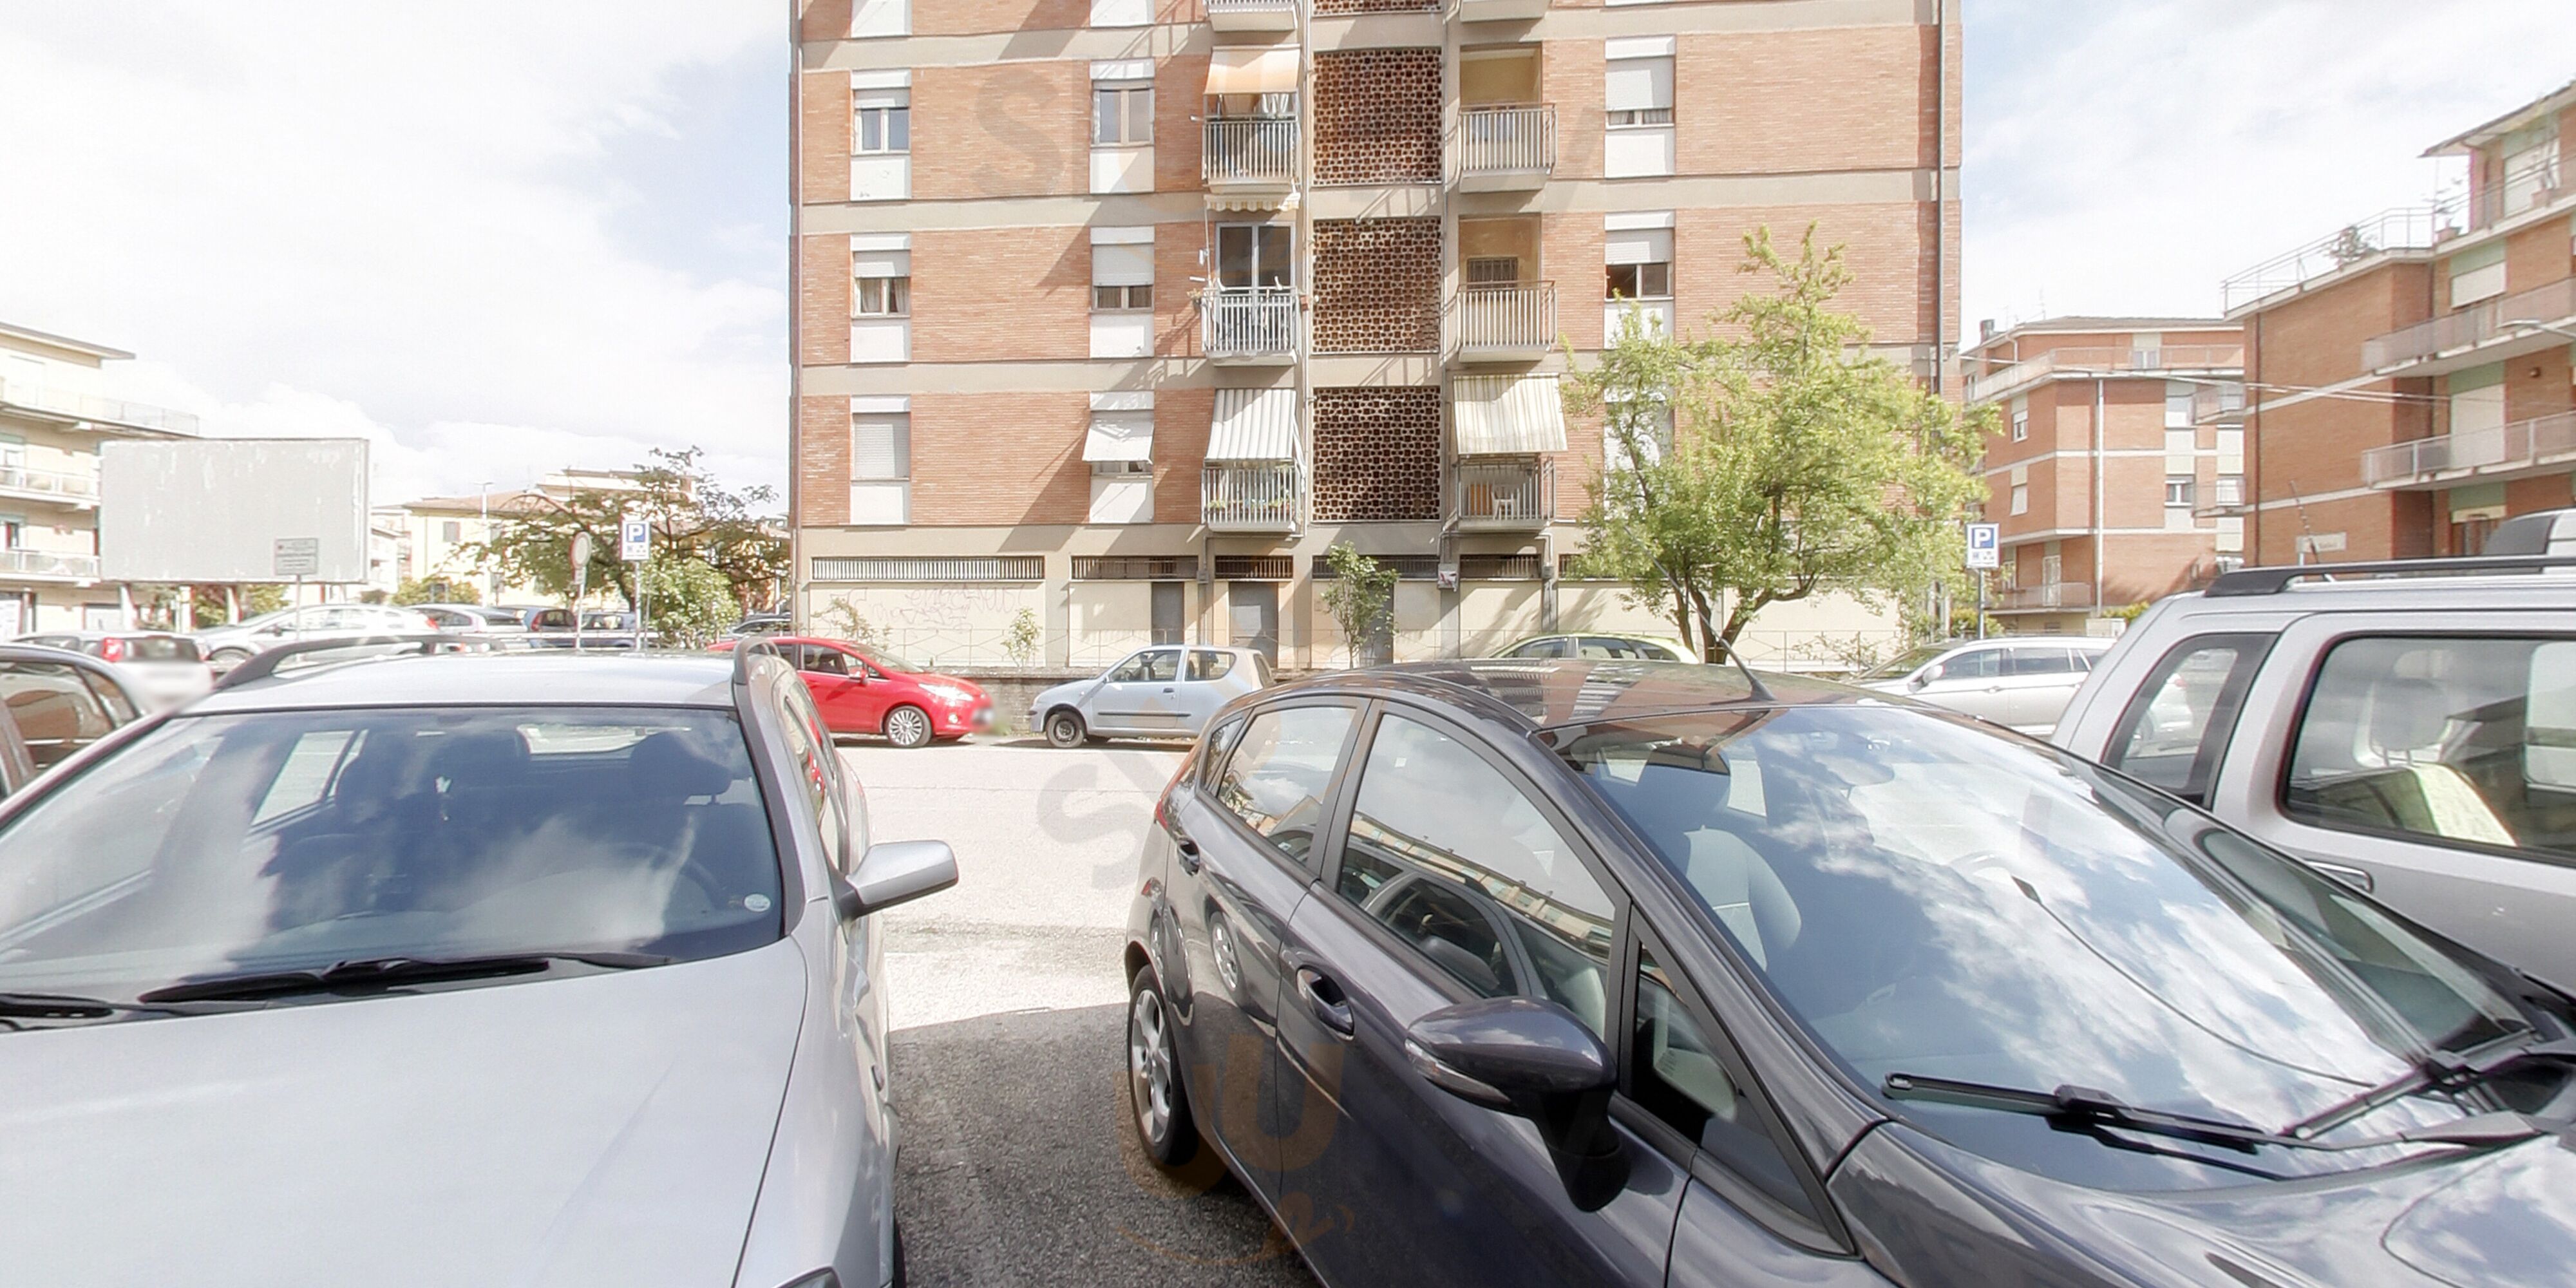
(948,693)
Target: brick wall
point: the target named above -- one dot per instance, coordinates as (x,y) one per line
(2539,255)
(824,20)
(1377,286)
(1570,255)
(823,437)
(994,295)
(2315,447)
(989,459)
(1014,130)
(1180,89)
(1571,78)
(1377,454)
(823,301)
(824,137)
(1176,312)
(1377,116)
(980,17)
(1749,101)
(1882,245)
(1181,420)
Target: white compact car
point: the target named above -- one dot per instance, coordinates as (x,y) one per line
(228,646)
(1168,691)
(2022,682)
(165,669)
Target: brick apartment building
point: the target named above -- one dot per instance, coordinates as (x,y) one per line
(2120,441)
(1114,315)
(2411,374)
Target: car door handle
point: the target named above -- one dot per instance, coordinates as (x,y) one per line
(1190,857)
(1169,689)
(1326,999)
(2351,876)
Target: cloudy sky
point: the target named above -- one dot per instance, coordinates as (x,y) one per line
(501,237)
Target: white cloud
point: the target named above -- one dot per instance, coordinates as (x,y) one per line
(2126,158)
(393,220)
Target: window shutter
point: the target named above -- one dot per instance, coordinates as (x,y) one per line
(1634,84)
(1122,265)
(880,447)
(1638,246)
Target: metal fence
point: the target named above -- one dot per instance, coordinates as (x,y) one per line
(1503,494)
(15,478)
(2088,361)
(2408,228)
(1249,498)
(1250,150)
(41,563)
(1507,317)
(1517,139)
(2522,443)
(1248,322)
(2474,325)
(115,411)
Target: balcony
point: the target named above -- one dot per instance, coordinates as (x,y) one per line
(1250,154)
(1506,148)
(1501,10)
(2538,446)
(1503,496)
(40,565)
(1258,497)
(1507,322)
(2220,404)
(114,412)
(1267,16)
(1249,324)
(2194,359)
(2523,191)
(2497,329)
(2409,229)
(20,483)
(2048,597)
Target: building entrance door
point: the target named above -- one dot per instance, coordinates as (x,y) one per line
(1254,608)
(1168,619)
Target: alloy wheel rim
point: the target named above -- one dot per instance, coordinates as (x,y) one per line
(908,726)
(1149,1065)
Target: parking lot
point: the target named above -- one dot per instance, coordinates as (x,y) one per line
(1019,1166)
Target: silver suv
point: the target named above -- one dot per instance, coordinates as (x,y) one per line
(2409,728)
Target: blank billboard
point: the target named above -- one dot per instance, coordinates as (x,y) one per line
(216,510)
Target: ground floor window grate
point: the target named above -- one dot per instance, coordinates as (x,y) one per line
(1135,567)
(1255,567)
(891,568)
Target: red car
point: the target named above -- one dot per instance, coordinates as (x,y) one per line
(867,693)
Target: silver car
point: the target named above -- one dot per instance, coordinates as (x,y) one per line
(485,969)
(2022,682)
(226,647)
(1168,691)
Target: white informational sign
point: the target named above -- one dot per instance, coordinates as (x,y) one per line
(172,512)
(634,540)
(296,557)
(580,563)
(12,618)
(1985,545)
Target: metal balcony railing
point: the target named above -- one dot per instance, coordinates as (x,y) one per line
(2220,404)
(2085,362)
(22,481)
(41,563)
(1259,497)
(2522,444)
(1507,318)
(1250,151)
(1515,139)
(113,411)
(1501,495)
(1248,322)
(2472,326)
(2521,191)
(2045,596)
(2411,228)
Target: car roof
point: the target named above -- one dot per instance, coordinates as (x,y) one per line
(2431,589)
(1542,693)
(539,679)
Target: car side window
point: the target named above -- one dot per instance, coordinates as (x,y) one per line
(2041,659)
(120,709)
(1976,664)
(57,714)
(825,661)
(817,785)
(1213,749)
(1131,671)
(2467,741)
(1162,666)
(2176,729)
(1658,653)
(1276,777)
(1446,852)
(1208,664)
(1676,1073)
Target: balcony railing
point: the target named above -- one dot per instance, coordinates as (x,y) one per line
(1507,320)
(112,411)
(1249,498)
(2043,597)
(2521,445)
(21,481)
(1503,495)
(1250,151)
(2219,404)
(2087,362)
(2472,326)
(41,563)
(1216,7)
(1238,323)
(2413,228)
(1514,140)
(2520,191)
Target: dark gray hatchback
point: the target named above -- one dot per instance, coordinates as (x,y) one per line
(1568,972)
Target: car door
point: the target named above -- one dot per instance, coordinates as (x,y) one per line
(2429,761)
(1139,696)
(1244,842)
(54,708)
(1969,681)
(2038,679)
(1207,683)
(841,695)
(1452,880)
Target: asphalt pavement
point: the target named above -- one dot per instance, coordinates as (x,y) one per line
(1019,1165)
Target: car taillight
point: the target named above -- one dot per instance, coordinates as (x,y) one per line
(112,648)
(1163,802)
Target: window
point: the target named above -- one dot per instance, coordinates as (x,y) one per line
(1114,299)
(2021,426)
(1206,664)
(2037,660)
(2021,498)
(2178,404)
(817,770)
(1445,852)
(1122,114)
(2230,490)
(1122,270)
(1253,255)
(1640,263)
(1276,778)
(2181,442)
(1975,664)
(2470,741)
(451,531)
(1679,1076)
(882,297)
(1641,281)
(1493,270)
(884,123)
(2177,491)
(1639,91)
(56,713)
(1160,665)
(2177,727)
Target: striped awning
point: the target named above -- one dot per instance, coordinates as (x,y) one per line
(1254,70)
(1509,415)
(1254,425)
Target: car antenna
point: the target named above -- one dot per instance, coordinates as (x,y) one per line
(1751,681)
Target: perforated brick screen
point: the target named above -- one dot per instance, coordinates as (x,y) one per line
(1377,286)
(1377,454)
(1377,116)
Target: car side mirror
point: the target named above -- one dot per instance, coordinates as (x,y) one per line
(895,872)
(1532,1060)
(1915,683)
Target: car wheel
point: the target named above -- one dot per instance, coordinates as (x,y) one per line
(1064,729)
(227,657)
(901,1275)
(1163,1123)
(908,727)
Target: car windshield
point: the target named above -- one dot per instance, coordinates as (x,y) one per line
(280,841)
(1905,663)
(1932,899)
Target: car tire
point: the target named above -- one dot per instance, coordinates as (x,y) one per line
(1161,1105)
(908,727)
(901,1276)
(1065,729)
(227,657)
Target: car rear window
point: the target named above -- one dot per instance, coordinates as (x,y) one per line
(153,648)
(1206,664)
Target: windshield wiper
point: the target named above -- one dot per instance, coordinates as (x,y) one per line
(2102,1109)
(61,1006)
(369,973)
(2440,1071)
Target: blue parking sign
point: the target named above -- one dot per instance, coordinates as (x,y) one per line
(1985,545)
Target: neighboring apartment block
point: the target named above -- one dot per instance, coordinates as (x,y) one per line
(1115,315)
(440,537)
(2118,443)
(2411,374)
(54,413)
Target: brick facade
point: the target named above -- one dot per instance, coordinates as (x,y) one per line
(823,301)
(990,459)
(1768,118)
(1883,245)
(1181,421)
(823,138)
(1010,130)
(1377,116)
(1377,286)
(823,464)
(980,296)
(1377,454)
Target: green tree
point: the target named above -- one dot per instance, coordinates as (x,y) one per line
(691,600)
(691,514)
(1022,638)
(1360,598)
(1799,463)
(436,590)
